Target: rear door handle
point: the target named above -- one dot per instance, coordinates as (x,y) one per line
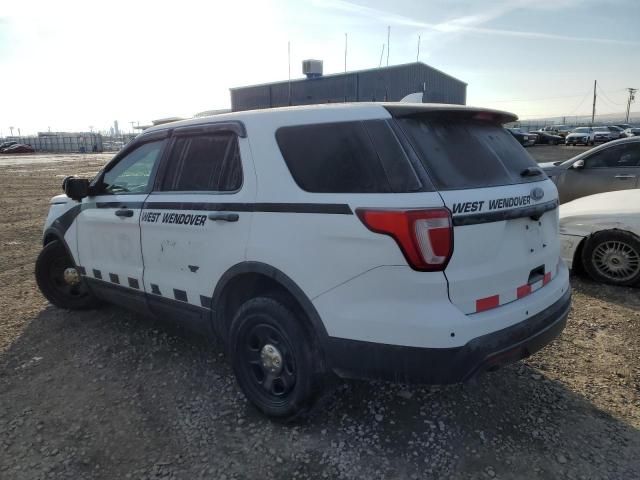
(124,212)
(225,217)
(625,177)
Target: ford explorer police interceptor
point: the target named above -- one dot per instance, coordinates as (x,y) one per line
(409,242)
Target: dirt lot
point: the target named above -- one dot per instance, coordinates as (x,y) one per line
(106,394)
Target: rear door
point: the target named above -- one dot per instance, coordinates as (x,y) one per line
(195,224)
(616,167)
(504,209)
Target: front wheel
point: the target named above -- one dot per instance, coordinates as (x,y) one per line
(273,358)
(613,257)
(59,281)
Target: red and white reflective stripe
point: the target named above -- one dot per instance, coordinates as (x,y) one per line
(522,291)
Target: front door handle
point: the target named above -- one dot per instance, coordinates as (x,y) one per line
(625,177)
(225,217)
(124,212)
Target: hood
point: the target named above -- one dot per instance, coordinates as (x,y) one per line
(609,203)
(578,134)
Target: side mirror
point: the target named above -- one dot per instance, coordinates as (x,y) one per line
(76,188)
(579,165)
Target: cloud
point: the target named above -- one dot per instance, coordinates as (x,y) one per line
(471,23)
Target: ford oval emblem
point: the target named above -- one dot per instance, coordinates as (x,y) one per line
(537,193)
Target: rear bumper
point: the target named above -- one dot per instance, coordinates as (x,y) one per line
(360,359)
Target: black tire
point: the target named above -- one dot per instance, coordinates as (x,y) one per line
(50,266)
(291,391)
(613,257)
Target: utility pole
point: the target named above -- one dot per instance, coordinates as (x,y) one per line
(11,128)
(593,110)
(132,122)
(418,54)
(345,53)
(632,97)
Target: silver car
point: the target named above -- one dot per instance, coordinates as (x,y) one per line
(611,166)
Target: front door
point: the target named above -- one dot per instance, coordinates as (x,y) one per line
(109,225)
(613,168)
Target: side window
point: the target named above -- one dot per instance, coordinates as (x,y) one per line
(342,158)
(616,157)
(208,162)
(133,173)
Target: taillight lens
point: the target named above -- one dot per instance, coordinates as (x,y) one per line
(425,236)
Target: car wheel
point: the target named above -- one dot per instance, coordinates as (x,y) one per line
(273,358)
(613,257)
(59,281)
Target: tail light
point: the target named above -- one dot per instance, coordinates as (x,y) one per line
(424,236)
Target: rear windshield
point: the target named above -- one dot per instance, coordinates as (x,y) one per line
(468,154)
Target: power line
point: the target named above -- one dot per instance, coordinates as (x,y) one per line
(607,98)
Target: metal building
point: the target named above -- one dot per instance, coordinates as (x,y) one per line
(377,84)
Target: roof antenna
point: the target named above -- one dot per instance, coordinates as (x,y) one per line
(381,55)
(289,60)
(388,37)
(418,55)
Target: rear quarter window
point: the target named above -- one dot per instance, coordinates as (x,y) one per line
(347,157)
(467,154)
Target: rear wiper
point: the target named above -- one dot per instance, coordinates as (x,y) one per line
(531,172)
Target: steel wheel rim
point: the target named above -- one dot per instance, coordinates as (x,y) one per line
(57,281)
(260,343)
(616,260)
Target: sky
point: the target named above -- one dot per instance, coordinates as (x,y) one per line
(68,65)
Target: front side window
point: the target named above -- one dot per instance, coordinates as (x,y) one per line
(209,162)
(615,157)
(133,173)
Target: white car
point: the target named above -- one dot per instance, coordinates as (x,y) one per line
(583,135)
(411,242)
(601,233)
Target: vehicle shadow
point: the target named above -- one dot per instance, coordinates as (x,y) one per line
(106,394)
(628,297)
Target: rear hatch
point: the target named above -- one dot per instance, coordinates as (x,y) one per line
(504,208)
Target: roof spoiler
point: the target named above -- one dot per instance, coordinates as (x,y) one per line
(404,110)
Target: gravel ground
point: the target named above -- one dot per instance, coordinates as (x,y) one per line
(107,394)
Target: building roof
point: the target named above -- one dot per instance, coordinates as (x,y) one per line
(334,75)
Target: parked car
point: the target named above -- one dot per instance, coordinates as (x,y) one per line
(601,234)
(632,132)
(583,135)
(525,139)
(6,145)
(624,126)
(602,134)
(543,137)
(561,130)
(18,148)
(334,252)
(616,132)
(610,166)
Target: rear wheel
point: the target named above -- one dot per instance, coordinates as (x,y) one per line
(59,280)
(273,358)
(613,257)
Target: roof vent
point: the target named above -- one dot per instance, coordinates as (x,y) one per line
(312,68)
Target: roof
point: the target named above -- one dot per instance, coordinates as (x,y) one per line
(397,109)
(352,72)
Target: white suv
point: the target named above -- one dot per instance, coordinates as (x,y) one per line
(416,243)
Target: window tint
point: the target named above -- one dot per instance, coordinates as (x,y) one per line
(204,163)
(342,158)
(615,157)
(132,174)
(465,154)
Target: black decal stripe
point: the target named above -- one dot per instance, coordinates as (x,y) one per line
(121,204)
(180,295)
(531,211)
(133,283)
(114,278)
(97,274)
(328,208)
(155,289)
(205,301)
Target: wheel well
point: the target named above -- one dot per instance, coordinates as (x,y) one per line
(246,286)
(577,265)
(48,238)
